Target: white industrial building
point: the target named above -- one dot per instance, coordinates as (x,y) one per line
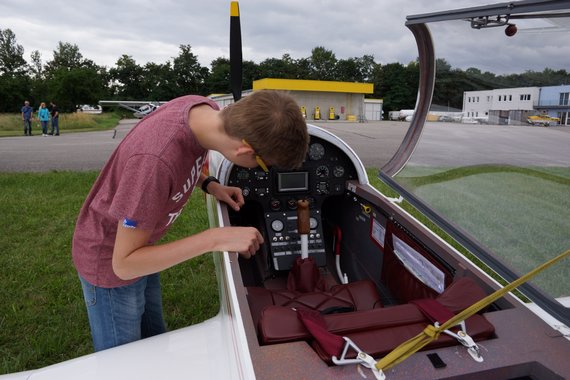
(477,105)
(516,105)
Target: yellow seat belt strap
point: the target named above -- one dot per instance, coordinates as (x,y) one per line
(432,332)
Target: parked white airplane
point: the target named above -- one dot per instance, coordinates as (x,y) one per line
(139,108)
(347,274)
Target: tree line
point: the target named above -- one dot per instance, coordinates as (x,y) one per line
(69,79)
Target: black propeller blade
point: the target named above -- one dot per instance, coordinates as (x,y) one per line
(235,52)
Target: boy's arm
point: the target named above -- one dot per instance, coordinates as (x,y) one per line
(132,257)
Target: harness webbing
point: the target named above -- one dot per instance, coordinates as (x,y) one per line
(430,333)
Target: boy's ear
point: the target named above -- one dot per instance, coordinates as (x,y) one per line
(244,149)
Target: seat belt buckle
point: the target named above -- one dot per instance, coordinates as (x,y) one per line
(362,358)
(462,337)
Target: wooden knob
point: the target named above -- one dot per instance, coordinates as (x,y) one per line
(303,223)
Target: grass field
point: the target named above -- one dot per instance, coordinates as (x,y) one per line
(11,124)
(525,221)
(42,315)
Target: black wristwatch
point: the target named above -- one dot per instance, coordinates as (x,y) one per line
(206,182)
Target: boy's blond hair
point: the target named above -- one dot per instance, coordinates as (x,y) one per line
(272,123)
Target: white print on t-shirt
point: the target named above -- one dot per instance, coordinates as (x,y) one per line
(190,182)
(188,185)
(173,216)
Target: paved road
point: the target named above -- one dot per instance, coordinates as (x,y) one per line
(443,144)
(69,151)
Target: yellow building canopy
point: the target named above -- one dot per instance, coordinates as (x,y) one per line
(312,85)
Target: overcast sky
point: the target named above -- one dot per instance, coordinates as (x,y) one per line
(153,30)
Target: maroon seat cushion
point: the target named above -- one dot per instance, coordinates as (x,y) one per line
(358,295)
(381,341)
(390,325)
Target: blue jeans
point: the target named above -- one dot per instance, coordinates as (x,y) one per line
(44,126)
(27,127)
(54,126)
(124,314)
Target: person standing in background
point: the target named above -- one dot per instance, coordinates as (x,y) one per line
(27,116)
(54,120)
(43,116)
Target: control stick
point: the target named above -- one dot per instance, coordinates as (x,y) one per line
(304,275)
(303,226)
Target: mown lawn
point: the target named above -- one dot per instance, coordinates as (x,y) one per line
(42,315)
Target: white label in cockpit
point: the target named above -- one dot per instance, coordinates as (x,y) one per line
(378,232)
(419,266)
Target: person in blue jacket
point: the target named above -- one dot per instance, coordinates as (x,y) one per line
(43,116)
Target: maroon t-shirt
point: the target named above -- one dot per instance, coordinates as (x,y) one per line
(145,184)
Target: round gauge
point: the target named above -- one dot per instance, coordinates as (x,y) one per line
(313,223)
(316,151)
(292,204)
(275,204)
(277,225)
(338,171)
(322,171)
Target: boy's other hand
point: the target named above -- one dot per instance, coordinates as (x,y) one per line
(230,195)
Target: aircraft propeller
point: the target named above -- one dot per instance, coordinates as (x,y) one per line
(235,52)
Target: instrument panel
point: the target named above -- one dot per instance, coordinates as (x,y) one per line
(323,174)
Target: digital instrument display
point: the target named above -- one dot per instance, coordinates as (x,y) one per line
(297,181)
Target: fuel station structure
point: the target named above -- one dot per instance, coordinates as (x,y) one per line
(322,100)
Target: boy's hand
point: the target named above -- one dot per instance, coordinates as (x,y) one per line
(244,240)
(230,195)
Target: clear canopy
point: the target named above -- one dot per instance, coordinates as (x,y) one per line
(494,155)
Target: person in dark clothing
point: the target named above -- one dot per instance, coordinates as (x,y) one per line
(54,120)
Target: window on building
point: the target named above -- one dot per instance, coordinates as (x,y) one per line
(510,98)
(523,97)
(528,97)
(499,98)
(564,98)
